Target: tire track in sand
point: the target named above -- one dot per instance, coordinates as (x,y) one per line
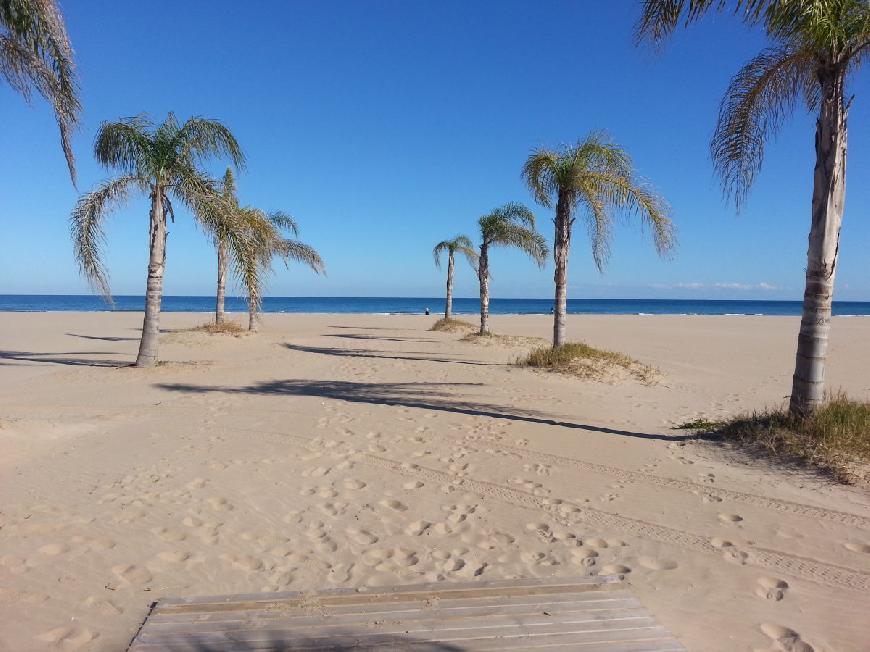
(566,512)
(776,504)
(755,500)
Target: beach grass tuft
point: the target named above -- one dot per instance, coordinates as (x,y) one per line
(580,359)
(835,438)
(451,325)
(224,328)
(496,339)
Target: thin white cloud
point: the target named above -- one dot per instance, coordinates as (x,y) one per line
(695,285)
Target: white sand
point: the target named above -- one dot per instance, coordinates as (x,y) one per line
(366,451)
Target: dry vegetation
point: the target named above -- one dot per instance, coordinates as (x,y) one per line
(836,438)
(579,359)
(224,328)
(494,339)
(452,325)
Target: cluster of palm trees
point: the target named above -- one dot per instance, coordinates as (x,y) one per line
(595,176)
(165,162)
(816,47)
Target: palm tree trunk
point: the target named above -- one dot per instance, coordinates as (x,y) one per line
(483,275)
(829,193)
(154,289)
(253,321)
(561,246)
(221,281)
(448,306)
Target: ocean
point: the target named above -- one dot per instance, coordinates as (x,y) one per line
(418,305)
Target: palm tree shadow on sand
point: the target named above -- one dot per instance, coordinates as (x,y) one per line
(285,644)
(421,395)
(413,356)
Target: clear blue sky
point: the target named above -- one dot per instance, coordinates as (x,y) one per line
(387,126)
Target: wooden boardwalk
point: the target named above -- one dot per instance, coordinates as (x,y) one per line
(587,614)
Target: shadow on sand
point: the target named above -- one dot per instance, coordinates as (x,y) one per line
(340,642)
(416,356)
(425,396)
(104,338)
(61,358)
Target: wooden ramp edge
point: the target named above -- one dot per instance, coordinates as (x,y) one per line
(585,614)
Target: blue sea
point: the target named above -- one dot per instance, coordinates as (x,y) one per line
(417,305)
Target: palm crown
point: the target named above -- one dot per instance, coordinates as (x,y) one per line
(162,160)
(598,175)
(35,54)
(266,232)
(461,244)
(810,36)
(513,225)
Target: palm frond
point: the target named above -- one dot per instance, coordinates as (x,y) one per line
(659,18)
(202,138)
(634,196)
(539,172)
(125,145)
(299,252)
(284,222)
(86,228)
(760,96)
(526,240)
(461,244)
(36,51)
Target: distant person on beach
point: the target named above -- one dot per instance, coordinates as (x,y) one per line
(427,312)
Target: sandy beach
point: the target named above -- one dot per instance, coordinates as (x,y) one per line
(364,450)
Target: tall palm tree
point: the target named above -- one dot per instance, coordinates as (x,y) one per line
(512,225)
(816,46)
(597,176)
(163,161)
(265,233)
(35,54)
(460,244)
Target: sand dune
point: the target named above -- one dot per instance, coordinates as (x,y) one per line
(361,450)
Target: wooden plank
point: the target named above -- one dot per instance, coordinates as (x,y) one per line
(408,609)
(437,623)
(353,596)
(539,614)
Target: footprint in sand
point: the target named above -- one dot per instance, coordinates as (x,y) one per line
(395,505)
(654,563)
(414,484)
(354,485)
(786,639)
(68,637)
(169,535)
(132,574)
(771,588)
(583,556)
(730,518)
(857,547)
(615,569)
(173,556)
(53,549)
(362,537)
(244,562)
(417,528)
(104,607)
(219,504)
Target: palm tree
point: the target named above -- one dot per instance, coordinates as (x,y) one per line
(816,46)
(512,225)
(596,175)
(460,244)
(222,237)
(265,232)
(35,53)
(162,161)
